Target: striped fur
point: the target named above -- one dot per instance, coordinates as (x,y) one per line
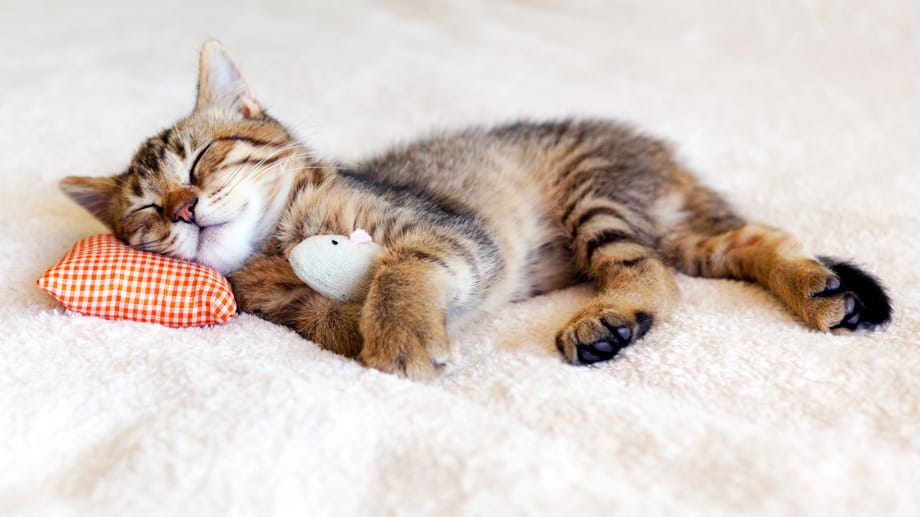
(470,221)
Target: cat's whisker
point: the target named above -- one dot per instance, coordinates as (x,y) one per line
(276,167)
(233,175)
(262,173)
(239,168)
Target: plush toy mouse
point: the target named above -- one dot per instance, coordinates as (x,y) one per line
(337,266)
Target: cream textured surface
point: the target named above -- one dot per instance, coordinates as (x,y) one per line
(804,113)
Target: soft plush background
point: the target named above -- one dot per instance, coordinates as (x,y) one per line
(805,113)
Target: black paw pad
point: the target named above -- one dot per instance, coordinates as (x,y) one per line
(597,351)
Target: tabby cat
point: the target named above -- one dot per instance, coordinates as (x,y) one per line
(470,221)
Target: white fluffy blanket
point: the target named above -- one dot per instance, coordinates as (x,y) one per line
(805,113)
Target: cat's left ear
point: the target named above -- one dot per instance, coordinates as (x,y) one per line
(221,86)
(96,195)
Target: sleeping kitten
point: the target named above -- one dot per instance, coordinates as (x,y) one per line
(470,221)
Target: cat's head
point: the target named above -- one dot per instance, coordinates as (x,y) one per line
(208,189)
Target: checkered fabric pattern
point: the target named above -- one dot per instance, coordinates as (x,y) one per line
(102,277)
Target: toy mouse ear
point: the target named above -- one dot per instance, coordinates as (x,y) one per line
(360,237)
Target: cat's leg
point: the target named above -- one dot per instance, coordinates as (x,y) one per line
(422,283)
(636,287)
(267,286)
(828,294)
(606,182)
(404,318)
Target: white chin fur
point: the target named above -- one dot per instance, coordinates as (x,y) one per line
(225,247)
(220,249)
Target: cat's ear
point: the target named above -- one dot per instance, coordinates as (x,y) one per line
(221,86)
(93,194)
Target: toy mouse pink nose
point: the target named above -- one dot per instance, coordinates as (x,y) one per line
(186,211)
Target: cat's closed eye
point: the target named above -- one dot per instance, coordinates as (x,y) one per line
(158,208)
(191,171)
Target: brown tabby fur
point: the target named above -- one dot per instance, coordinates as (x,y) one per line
(470,221)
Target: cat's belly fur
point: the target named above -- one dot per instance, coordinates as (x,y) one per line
(549,267)
(513,200)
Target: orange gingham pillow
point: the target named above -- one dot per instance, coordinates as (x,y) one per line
(102,277)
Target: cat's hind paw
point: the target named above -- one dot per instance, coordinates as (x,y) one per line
(866,305)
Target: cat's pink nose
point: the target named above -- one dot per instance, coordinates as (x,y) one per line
(186,211)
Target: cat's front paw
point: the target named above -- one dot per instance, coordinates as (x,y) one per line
(410,348)
(598,332)
(404,319)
